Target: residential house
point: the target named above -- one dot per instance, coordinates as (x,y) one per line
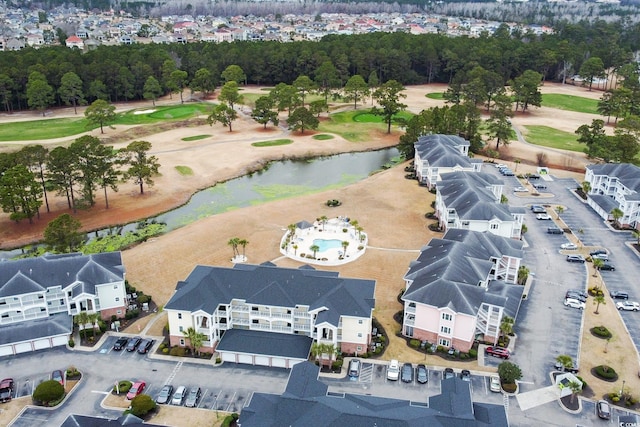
(461,287)
(129,420)
(14,44)
(615,185)
(472,201)
(307,402)
(438,154)
(75,41)
(35,39)
(268,315)
(40,296)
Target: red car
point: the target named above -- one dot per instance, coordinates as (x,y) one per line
(497,352)
(6,390)
(136,389)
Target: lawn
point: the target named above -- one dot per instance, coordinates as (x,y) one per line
(435,95)
(272,143)
(553,138)
(60,128)
(195,137)
(355,125)
(570,103)
(322,137)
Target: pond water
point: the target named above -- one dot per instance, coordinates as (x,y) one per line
(280,180)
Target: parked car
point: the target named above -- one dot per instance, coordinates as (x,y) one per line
(165,394)
(407,373)
(354,368)
(580,292)
(179,395)
(497,352)
(494,384)
(539,186)
(422,375)
(193,398)
(507,172)
(393,370)
(145,346)
(136,389)
(603,257)
(603,409)
(538,209)
(555,230)
(500,165)
(533,176)
(57,375)
(598,252)
(6,390)
(628,306)
(575,295)
(543,216)
(574,303)
(448,373)
(607,267)
(575,258)
(465,375)
(520,190)
(619,294)
(568,246)
(133,344)
(120,343)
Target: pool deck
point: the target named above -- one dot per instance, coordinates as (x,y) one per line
(333,229)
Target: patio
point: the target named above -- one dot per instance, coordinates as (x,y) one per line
(336,241)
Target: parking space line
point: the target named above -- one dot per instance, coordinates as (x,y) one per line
(248,400)
(231,402)
(215,402)
(202,397)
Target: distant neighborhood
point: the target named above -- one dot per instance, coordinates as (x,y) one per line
(77,28)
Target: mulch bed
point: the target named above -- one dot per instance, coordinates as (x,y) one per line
(570,402)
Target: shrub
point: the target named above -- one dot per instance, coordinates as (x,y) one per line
(102,325)
(72,373)
(473,353)
(584,383)
(114,317)
(382,339)
(218,360)
(162,346)
(72,343)
(142,404)
(123,387)
(165,350)
(440,349)
(48,391)
(344,230)
(144,298)
(229,420)
(414,343)
(178,351)
(601,331)
(606,372)
(336,365)
(509,372)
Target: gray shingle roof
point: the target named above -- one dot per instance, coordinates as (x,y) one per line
(304,404)
(37,274)
(207,287)
(442,151)
(627,174)
(74,420)
(448,270)
(54,325)
(470,196)
(265,343)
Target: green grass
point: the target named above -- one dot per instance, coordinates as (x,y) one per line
(170,112)
(546,136)
(272,143)
(366,117)
(322,137)
(346,125)
(195,138)
(435,95)
(570,103)
(184,170)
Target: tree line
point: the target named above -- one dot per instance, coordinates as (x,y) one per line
(52,76)
(76,172)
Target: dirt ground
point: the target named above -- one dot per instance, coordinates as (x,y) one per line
(389,207)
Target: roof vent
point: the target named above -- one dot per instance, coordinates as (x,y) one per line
(30,271)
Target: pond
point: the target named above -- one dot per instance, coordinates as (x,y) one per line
(280,180)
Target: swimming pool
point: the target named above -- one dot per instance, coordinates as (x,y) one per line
(327,244)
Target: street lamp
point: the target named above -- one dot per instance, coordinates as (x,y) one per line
(622,390)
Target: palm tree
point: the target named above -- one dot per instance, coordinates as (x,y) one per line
(506,325)
(597,265)
(292,230)
(345,244)
(523,274)
(559,210)
(81,319)
(636,235)
(323,221)
(295,249)
(243,243)
(315,249)
(616,213)
(599,299)
(93,319)
(586,187)
(234,242)
(565,360)
(195,339)
(576,388)
(517,162)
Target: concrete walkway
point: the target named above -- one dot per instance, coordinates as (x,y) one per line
(538,397)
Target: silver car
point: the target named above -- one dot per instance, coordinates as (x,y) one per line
(193,398)
(179,395)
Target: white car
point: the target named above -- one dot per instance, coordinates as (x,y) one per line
(543,216)
(574,303)
(568,246)
(520,190)
(500,165)
(393,370)
(494,384)
(628,306)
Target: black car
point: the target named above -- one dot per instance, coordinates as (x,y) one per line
(165,395)
(448,373)
(554,230)
(533,176)
(145,346)
(422,376)
(619,295)
(465,375)
(598,252)
(607,267)
(579,292)
(133,344)
(121,343)
(406,375)
(604,410)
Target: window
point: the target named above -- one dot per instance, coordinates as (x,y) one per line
(119,312)
(359,348)
(179,315)
(181,329)
(182,342)
(254,308)
(445,330)
(115,286)
(360,322)
(117,299)
(359,334)
(443,342)
(447,316)
(254,321)
(494,226)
